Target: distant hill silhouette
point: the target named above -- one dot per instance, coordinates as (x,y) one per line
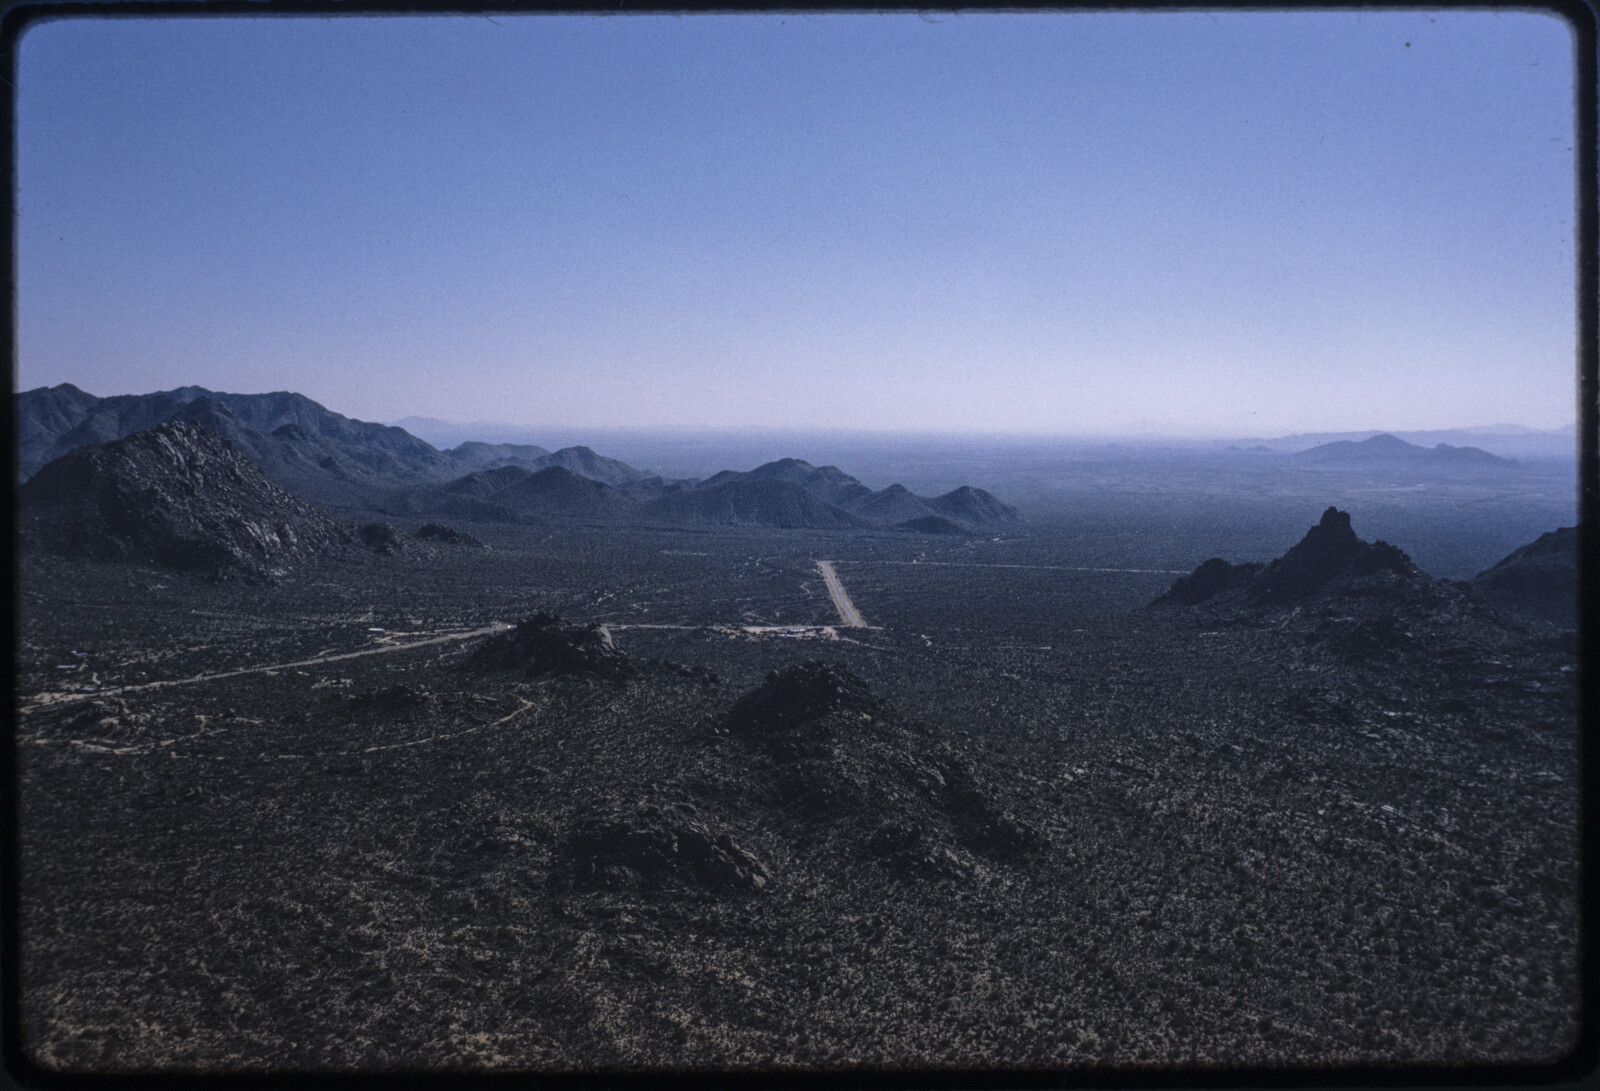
(585,463)
(179,496)
(895,504)
(1511,441)
(510,494)
(489,456)
(1386,448)
(974,507)
(756,502)
(557,490)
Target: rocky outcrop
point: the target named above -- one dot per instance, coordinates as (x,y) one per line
(1330,554)
(802,693)
(382,538)
(178,496)
(848,765)
(1330,551)
(544,644)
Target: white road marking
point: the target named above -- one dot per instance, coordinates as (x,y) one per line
(841,601)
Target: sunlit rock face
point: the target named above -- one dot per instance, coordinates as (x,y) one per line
(177,496)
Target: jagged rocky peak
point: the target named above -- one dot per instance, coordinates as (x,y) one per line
(177,495)
(1329,553)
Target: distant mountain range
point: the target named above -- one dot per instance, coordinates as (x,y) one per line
(1510,441)
(786,493)
(334,460)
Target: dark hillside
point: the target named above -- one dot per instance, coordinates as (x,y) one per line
(179,496)
(896,504)
(1538,581)
(1330,554)
(511,493)
(752,502)
(556,490)
(934,524)
(485,483)
(586,463)
(974,506)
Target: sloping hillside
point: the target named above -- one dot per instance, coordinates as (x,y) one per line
(1538,581)
(179,496)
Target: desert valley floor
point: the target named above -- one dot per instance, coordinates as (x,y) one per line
(1020,817)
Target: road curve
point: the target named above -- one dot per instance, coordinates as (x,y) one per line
(841,601)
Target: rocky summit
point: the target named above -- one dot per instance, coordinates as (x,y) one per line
(177,496)
(1330,551)
(1330,554)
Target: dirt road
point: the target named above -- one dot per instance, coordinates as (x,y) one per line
(51,698)
(1047,567)
(841,601)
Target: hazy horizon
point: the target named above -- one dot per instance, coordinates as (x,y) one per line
(1209,224)
(1169,431)
(1149,430)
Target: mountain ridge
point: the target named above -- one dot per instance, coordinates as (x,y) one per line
(339,461)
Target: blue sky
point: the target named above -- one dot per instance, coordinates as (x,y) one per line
(1244,223)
